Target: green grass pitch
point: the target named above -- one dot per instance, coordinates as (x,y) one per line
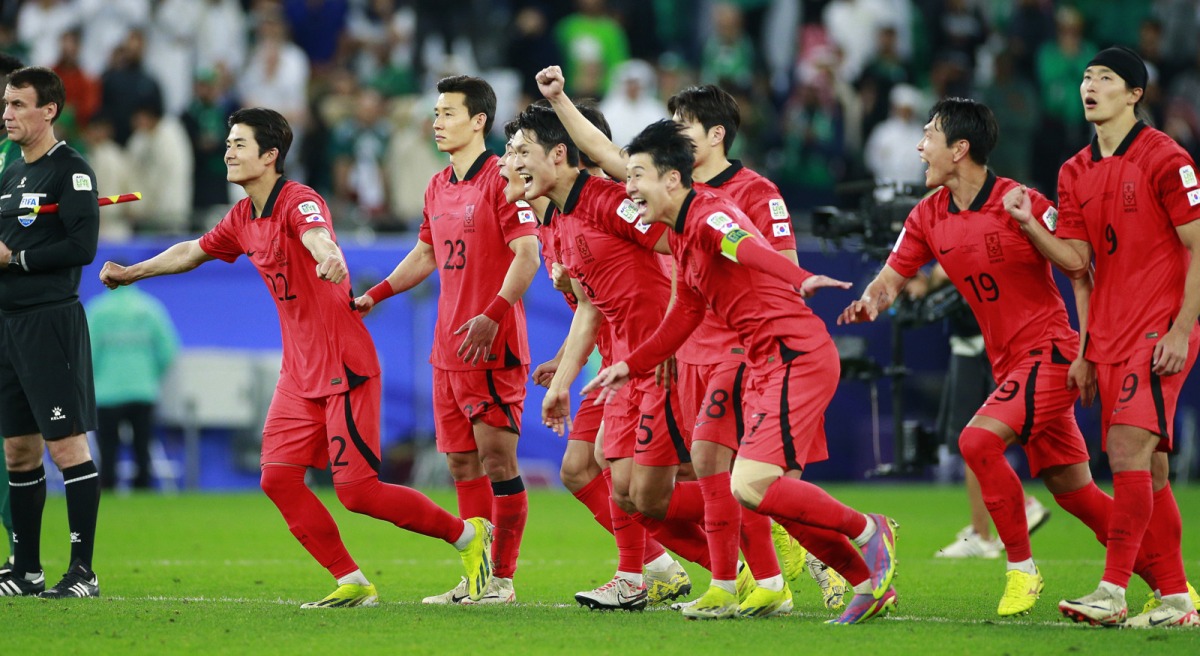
(220,574)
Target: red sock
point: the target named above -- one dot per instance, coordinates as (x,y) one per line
(832,548)
(1093,507)
(801,501)
(307,518)
(595,496)
(1003,495)
(685,538)
(757,546)
(631,540)
(1133,495)
(722,524)
(653,550)
(475,498)
(1162,544)
(402,506)
(510,510)
(687,502)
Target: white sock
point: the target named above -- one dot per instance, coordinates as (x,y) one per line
(727,586)
(633,578)
(660,564)
(468,534)
(1025,566)
(864,588)
(1182,601)
(354,578)
(1113,589)
(774,584)
(867,533)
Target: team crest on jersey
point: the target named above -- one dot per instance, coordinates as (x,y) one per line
(315,218)
(581,247)
(722,222)
(778,209)
(308,207)
(1050,219)
(781,229)
(1127,195)
(628,211)
(81,182)
(1194,197)
(995,251)
(526,216)
(469,218)
(1186,173)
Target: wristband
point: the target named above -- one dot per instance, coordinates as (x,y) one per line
(497,308)
(381,291)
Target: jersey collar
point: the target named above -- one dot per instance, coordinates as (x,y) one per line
(683,210)
(576,191)
(475,167)
(1125,143)
(981,198)
(548,216)
(721,178)
(269,207)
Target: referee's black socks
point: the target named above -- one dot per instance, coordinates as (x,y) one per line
(27,494)
(82,484)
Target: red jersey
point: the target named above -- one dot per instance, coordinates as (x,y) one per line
(470,224)
(551,255)
(609,250)
(767,314)
(713,341)
(324,339)
(999,272)
(1127,207)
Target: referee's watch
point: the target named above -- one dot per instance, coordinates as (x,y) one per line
(15,262)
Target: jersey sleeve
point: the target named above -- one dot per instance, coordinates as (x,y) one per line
(77,200)
(770,214)
(221,242)
(1044,210)
(1070,219)
(516,219)
(1178,189)
(307,210)
(912,250)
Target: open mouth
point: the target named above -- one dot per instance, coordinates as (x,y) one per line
(526,179)
(1090,103)
(641,205)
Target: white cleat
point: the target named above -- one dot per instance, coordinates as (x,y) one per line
(619,593)
(453,596)
(1101,608)
(1036,515)
(969,544)
(1171,612)
(499,591)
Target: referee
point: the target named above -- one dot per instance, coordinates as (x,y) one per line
(47,396)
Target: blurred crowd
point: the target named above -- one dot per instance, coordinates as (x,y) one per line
(830,90)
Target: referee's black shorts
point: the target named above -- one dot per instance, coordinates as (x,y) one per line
(46,383)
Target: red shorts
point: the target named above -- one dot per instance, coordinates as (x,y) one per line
(585,426)
(1034,401)
(341,430)
(647,427)
(495,397)
(785,409)
(713,395)
(1132,394)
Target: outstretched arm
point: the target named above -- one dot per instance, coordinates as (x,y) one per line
(331,265)
(876,299)
(586,136)
(181,257)
(753,253)
(415,267)
(1071,256)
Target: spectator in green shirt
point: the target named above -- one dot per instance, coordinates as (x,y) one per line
(592,43)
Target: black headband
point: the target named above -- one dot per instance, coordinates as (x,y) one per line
(1125,63)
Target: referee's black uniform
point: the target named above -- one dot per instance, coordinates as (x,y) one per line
(46,383)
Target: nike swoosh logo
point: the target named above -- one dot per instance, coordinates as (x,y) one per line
(250,253)
(943,252)
(1084,202)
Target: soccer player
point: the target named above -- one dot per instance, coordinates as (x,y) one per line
(1008,284)
(326,406)
(47,395)
(1128,202)
(711,364)
(9,152)
(617,277)
(724,262)
(485,251)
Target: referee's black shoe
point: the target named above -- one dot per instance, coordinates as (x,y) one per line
(78,582)
(20,585)
(6,567)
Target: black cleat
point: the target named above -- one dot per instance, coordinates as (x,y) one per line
(13,585)
(78,582)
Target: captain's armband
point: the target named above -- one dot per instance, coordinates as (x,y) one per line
(730,241)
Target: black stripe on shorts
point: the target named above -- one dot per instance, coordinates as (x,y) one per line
(785,423)
(738,418)
(504,407)
(681,450)
(1160,409)
(356,437)
(1030,403)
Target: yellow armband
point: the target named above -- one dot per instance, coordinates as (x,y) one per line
(729,243)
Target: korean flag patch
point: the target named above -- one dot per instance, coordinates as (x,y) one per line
(778,209)
(781,229)
(1188,175)
(526,216)
(308,207)
(721,221)
(1194,197)
(1050,219)
(81,182)
(314,218)
(628,211)
(642,227)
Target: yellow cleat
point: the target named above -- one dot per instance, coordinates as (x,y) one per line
(667,585)
(766,603)
(348,596)
(791,555)
(745,583)
(716,604)
(1155,601)
(1021,592)
(833,585)
(477,559)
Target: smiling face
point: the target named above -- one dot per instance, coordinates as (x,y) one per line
(243,161)
(515,189)
(453,126)
(537,167)
(1105,95)
(648,189)
(936,153)
(25,121)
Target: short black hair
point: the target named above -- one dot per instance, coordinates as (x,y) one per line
(510,128)
(480,97)
(591,111)
(271,130)
(547,128)
(963,118)
(47,86)
(669,147)
(711,106)
(8,64)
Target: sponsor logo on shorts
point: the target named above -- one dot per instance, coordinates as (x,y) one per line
(81,182)
(308,207)
(57,414)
